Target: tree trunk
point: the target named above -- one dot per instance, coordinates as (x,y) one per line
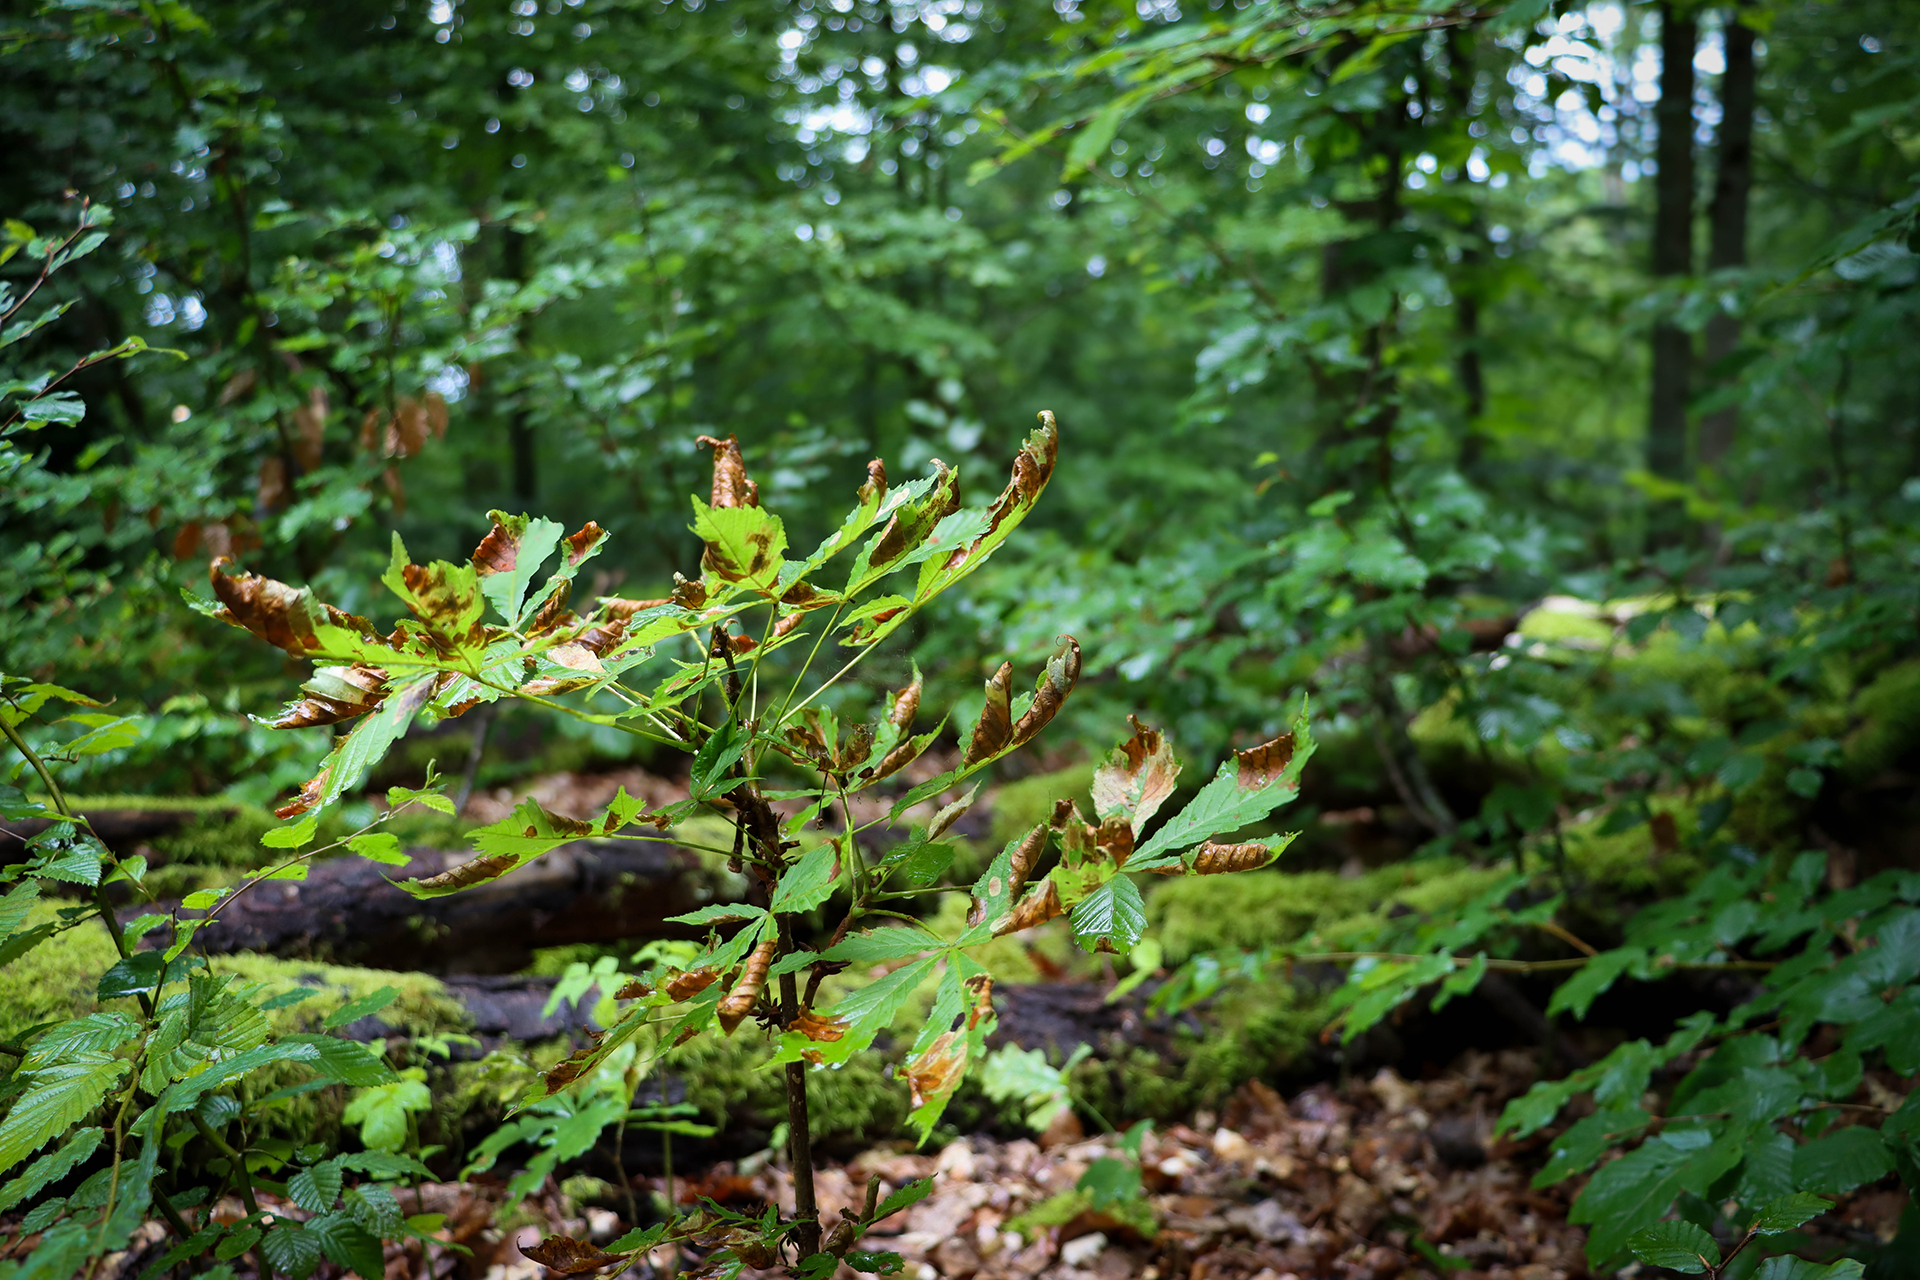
(1672,256)
(1733,179)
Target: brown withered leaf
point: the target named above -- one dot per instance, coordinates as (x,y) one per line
(943,821)
(803,596)
(271,492)
(473,871)
(1114,839)
(499,551)
(187,540)
(995,727)
(1056,681)
(435,406)
(1212,859)
(876,485)
(1258,766)
(634,990)
(616,607)
(688,595)
(1032,468)
(784,628)
(690,983)
(981,984)
(731,487)
(583,544)
(407,429)
(1039,906)
(598,638)
(739,1002)
(310,429)
(1137,778)
(335,694)
(308,797)
(570,1257)
(1078,837)
(911,525)
(819,1026)
(938,1070)
(1026,855)
(905,705)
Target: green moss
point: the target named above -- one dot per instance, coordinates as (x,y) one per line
(423,1007)
(1889,723)
(57,979)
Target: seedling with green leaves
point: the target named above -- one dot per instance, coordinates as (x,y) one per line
(695,671)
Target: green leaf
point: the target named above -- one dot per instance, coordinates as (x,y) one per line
(291,1248)
(1460,982)
(1090,140)
(1113,914)
(1636,1190)
(1109,1181)
(1788,1212)
(50,1168)
(878,1264)
(381,1112)
(57,1097)
(1678,1246)
(718,913)
(1577,994)
(354,1010)
(745,545)
(1788,1267)
(294,835)
(1840,1161)
(903,1198)
(886,943)
(379,846)
(17,905)
(316,1188)
(809,882)
(63,407)
(1582,1145)
(64,852)
(350,1244)
(716,758)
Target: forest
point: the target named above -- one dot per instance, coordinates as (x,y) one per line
(1182,639)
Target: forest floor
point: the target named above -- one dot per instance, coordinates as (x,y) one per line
(1371,1180)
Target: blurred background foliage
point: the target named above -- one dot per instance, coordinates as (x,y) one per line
(1349,312)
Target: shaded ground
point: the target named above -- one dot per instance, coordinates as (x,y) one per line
(1374,1180)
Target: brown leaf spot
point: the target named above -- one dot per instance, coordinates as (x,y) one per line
(499,551)
(1056,682)
(685,986)
(1038,907)
(1137,778)
(876,486)
(1217,859)
(818,1026)
(580,544)
(1025,855)
(753,976)
(937,1071)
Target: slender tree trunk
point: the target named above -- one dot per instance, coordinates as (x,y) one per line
(1467,280)
(1672,256)
(1733,180)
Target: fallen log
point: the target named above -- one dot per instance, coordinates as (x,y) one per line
(347,911)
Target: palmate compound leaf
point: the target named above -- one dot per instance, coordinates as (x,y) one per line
(443,596)
(1246,789)
(1677,1246)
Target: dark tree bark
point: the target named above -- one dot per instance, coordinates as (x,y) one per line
(1672,256)
(1733,180)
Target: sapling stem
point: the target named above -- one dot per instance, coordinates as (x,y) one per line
(806,1211)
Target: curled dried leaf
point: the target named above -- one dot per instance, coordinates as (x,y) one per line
(634,990)
(1212,859)
(817,1026)
(1025,855)
(583,544)
(309,795)
(688,595)
(995,727)
(688,984)
(283,616)
(1137,778)
(753,976)
(1258,766)
(751,1249)
(1032,468)
(499,551)
(571,1257)
(601,636)
(784,628)
(1114,839)
(1056,682)
(981,984)
(876,486)
(474,871)
(620,609)
(1039,906)
(906,705)
(840,1239)
(943,821)
(335,694)
(731,487)
(910,526)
